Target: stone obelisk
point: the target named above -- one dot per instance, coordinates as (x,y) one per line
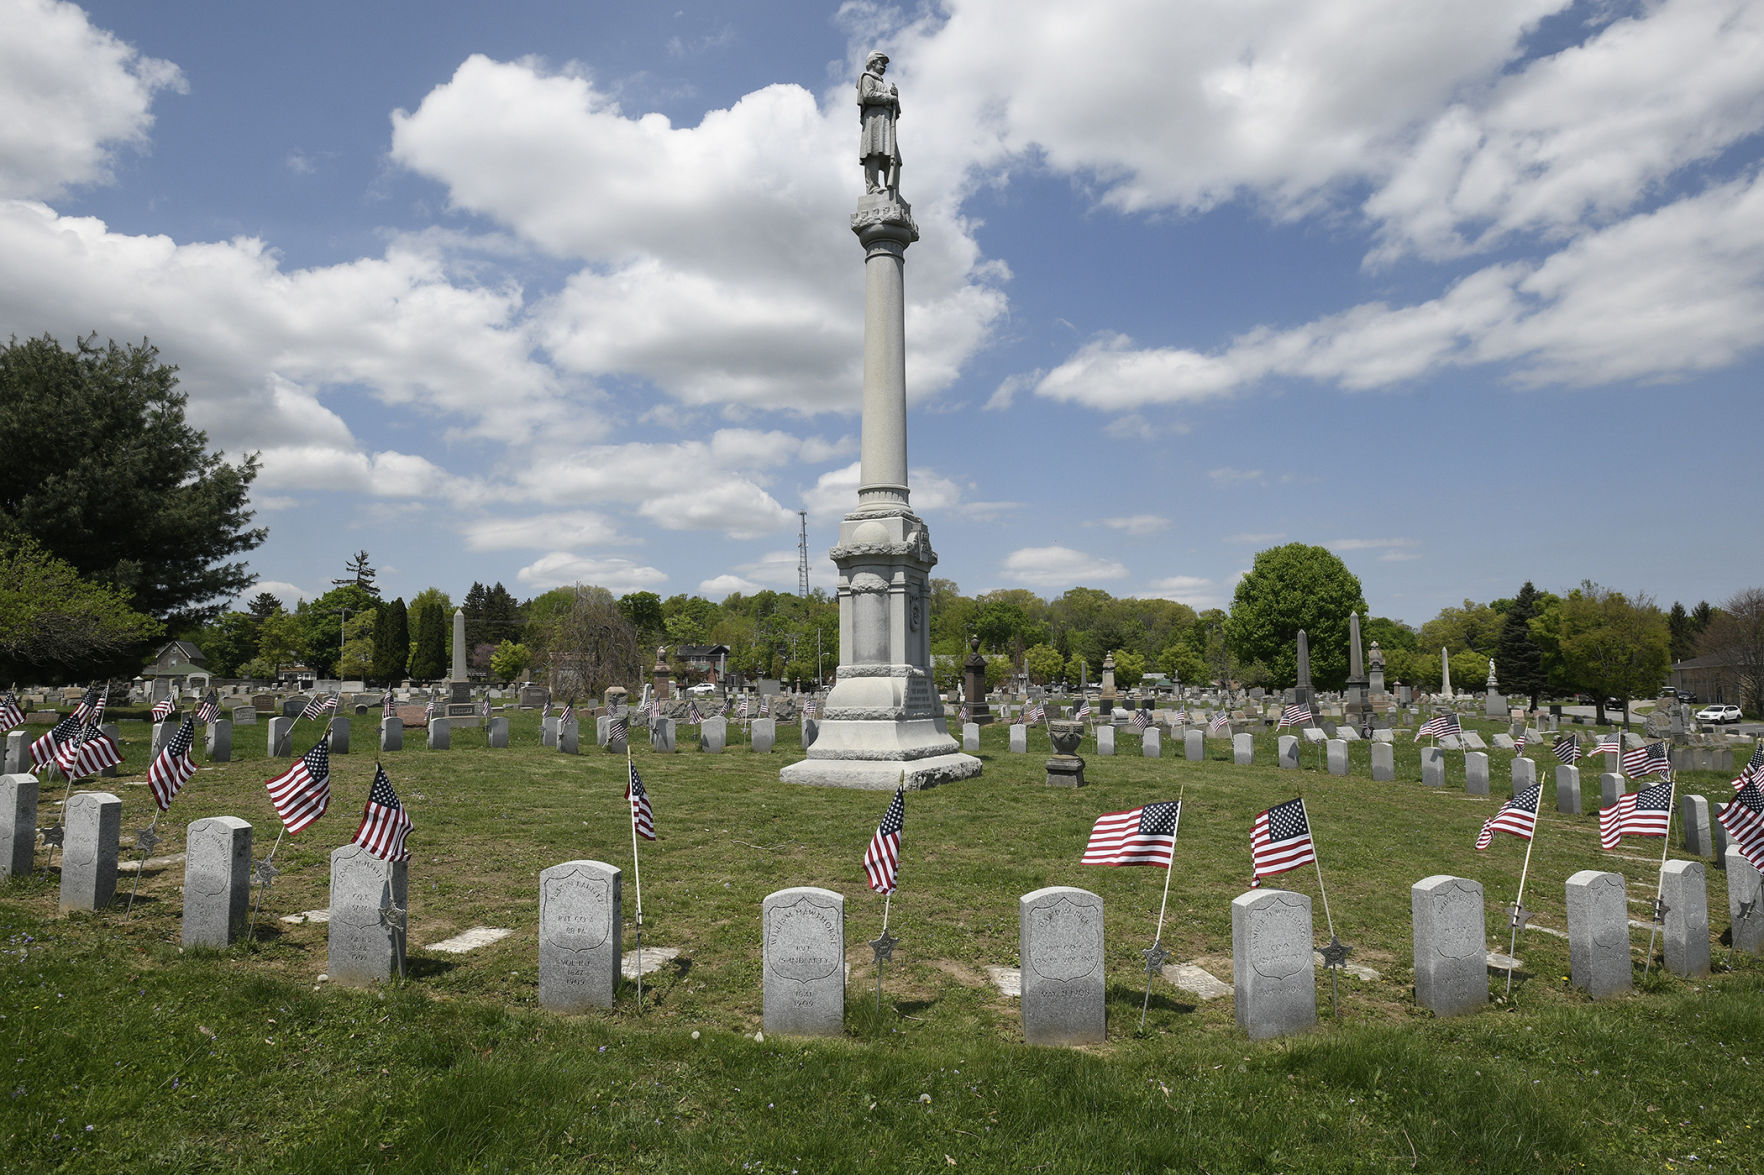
(883,722)
(1359,701)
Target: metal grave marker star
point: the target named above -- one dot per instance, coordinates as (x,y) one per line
(264,872)
(1335,954)
(1155,957)
(884,945)
(146,840)
(54,835)
(1518,916)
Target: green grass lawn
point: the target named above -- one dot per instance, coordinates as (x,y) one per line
(131,1054)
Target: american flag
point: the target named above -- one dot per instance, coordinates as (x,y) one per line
(1220,721)
(963,716)
(646,709)
(384,822)
(87,753)
(765,709)
(569,712)
(1519,745)
(882,858)
(546,713)
(642,815)
(1517,816)
(618,728)
(429,711)
(164,708)
(387,706)
(1035,713)
(1744,821)
(1439,727)
(10,713)
(1280,840)
(1293,716)
(87,701)
(173,767)
(485,708)
(1606,744)
(810,707)
(209,710)
(44,748)
(1753,771)
(95,716)
(1647,812)
(1651,759)
(1138,836)
(1568,749)
(1082,712)
(741,711)
(693,716)
(303,792)
(320,705)
(1141,719)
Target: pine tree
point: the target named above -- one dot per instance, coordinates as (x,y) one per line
(429,662)
(1518,659)
(358,572)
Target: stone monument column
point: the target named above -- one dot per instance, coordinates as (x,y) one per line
(460,711)
(883,719)
(1359,702)
(1301,693)
(1109,695)
(974,684)
(659,674)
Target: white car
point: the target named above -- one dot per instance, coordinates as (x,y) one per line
(1718,714)
(703,687)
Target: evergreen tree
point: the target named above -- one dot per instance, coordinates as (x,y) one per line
(1682,631)
(1518,659)
(391,642)
(429,661)
(264,605)
(357,572)
(502,615)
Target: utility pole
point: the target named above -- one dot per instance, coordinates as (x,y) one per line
(802,587)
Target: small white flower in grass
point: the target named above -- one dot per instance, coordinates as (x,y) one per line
(695,1034)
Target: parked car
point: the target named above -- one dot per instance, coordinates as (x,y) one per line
(703,687)
(1719,714)
(1687,696)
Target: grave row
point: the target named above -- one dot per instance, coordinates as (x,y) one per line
(1061,949)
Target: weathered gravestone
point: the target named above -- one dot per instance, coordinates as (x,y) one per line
(803,961)
(219,741)
(1336,756)
(1611,788)
(661,736)
(1524,774)
(499,732)
(1194,745)
(1745,903)
(548,730)
(970,736)
(1475,773)
(109,730)
(1272,963)
(1598,933)
(1685,891)
(1105,740)
(279,738)
(18,824)
(440,734)
(368,911)
(244,716)
(581,927)
(339,735)
(162,734)
(1288,751)
(1243,750)
(1568,789)
(618,732)
(1060,940)
(1151,743)
(1019,744)
(765,735)
(1693,814)
(1718,836)
(1451,950)
(1433,766)
(713,735)
(568,740)
(217,880)
(1383,763)
(18,753)
(392,733)
(93,826)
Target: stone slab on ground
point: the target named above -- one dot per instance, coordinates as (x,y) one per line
(1008,980)
(654,959)
(469,940)
(1196,980)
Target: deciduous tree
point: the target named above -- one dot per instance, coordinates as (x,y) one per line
(1288,588)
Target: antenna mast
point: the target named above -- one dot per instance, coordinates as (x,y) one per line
(802,556)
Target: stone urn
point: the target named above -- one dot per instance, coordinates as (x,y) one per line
(1067,735)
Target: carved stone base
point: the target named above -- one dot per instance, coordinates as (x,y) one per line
(882,774)
(1065,771)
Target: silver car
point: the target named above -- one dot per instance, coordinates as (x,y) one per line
(1719,714)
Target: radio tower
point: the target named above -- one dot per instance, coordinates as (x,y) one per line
(802,556)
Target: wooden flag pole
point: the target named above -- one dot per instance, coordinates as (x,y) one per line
(1518,916)
(263,884)
(151,840)
(1659,920)
(636,870)
(1154,958)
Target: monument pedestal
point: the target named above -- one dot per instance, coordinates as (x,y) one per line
(883,723)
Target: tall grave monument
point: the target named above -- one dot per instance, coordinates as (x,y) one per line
(1359,694)
(460,711)
(883,719)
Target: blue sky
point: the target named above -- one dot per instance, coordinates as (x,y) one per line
(564,292)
